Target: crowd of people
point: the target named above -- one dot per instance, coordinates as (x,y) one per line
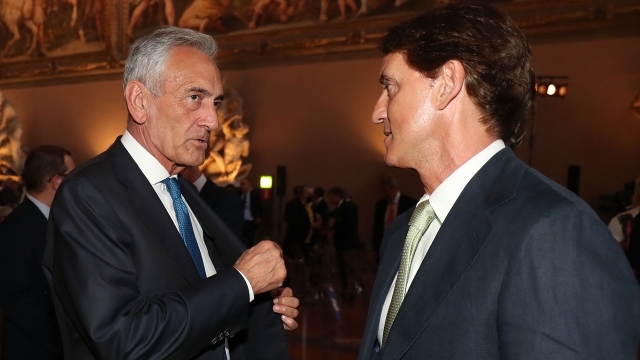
(122,258)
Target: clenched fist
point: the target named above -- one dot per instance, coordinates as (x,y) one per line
(263,266)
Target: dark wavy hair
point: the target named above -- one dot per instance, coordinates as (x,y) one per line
(493,51)
(41,165)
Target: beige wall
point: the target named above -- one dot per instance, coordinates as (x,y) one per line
(315,119)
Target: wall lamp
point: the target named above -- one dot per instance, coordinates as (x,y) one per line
(552,86)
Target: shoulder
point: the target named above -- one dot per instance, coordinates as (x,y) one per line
(544,194)
(93,169)
(22,219)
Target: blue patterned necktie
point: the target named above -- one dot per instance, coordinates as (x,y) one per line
(184,223)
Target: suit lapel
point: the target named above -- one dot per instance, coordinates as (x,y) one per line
(458,242)
(391,252)
(146,203)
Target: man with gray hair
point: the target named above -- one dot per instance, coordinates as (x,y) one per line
(141,267)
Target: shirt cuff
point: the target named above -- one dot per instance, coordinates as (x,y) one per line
(248,286)
(200,182)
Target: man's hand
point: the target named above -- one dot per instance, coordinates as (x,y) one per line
(263,266)
(286,305)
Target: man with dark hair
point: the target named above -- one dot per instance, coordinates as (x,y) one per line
(392,204)
(496,261)
(141,267)
(30,326)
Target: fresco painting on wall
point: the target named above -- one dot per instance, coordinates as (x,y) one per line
(57,40)
(40,28)
(233,16)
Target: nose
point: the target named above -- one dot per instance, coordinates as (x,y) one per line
(210,118)
(380,109)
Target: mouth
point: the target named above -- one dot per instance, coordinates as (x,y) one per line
(386,128)
(200,142)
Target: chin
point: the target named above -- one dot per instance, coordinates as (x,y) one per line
(389,160)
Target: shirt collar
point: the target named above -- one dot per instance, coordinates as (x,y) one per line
(149,165)
(445,195)
(42,207)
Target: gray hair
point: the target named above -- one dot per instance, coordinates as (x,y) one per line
(148,55)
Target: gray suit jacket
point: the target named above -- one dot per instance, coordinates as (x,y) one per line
(520,269)
(125,286)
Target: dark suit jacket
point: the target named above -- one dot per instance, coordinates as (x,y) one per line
(124,285)
(30,327)
(225,204)
(298,223)
(345,226)
(321,209)
(404,203)
(520,269)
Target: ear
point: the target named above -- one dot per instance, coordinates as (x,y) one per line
(449,83)
(137,95)
(55,182)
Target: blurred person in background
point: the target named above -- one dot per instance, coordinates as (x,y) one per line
(30,326)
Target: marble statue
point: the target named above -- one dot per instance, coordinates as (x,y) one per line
(11,155)
(228,145)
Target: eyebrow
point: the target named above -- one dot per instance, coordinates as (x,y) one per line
(199,89)
(205,92)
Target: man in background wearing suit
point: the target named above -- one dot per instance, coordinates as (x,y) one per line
(346,239)
(496,261)
(224,203)
(252,211)
(392,204)
(141,267)
(30,326)
(300,219)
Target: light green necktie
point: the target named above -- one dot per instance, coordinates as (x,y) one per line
(421,218)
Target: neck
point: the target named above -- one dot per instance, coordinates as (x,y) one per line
(45,197)
(136,131)
(460,150)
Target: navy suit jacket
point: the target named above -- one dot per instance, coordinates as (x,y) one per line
(124,285)
(520,269)
(30,327)
(226,204)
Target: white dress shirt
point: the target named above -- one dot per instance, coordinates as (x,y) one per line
(42,207)
(442,200)
(155,173)
(247,206)
(199,184)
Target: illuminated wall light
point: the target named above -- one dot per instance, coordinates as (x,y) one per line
(551,90)
(562,90)
(266,181)
(542,89)
(549,86)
